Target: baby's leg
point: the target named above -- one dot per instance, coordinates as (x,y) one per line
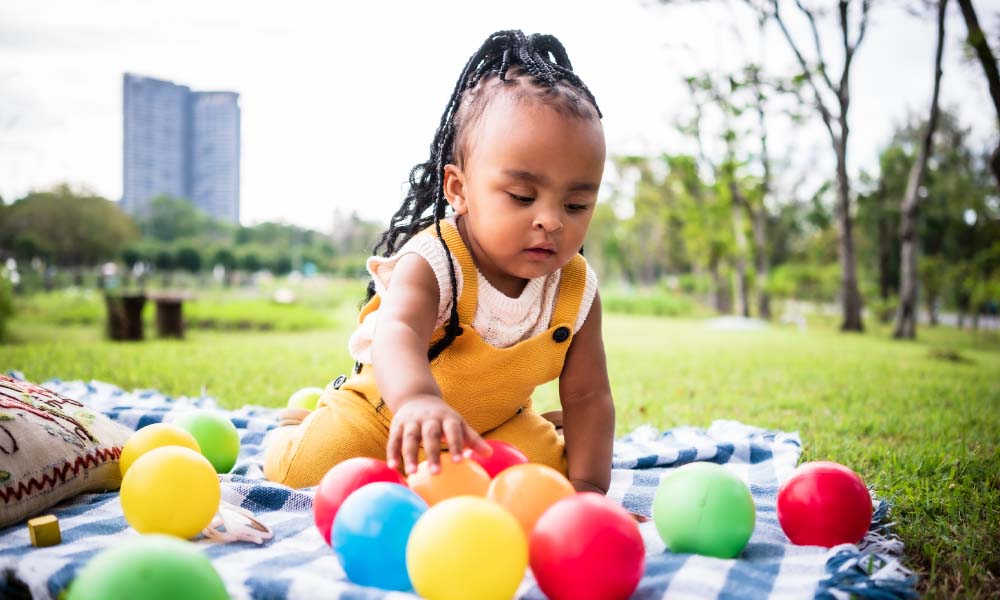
(535,436)
(343,426)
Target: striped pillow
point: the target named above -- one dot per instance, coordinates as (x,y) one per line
(52,448)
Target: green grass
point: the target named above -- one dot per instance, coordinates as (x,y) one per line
(209,308)
(919,420)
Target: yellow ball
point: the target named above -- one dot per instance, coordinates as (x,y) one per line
(466,547)
(152,436)
(172,490)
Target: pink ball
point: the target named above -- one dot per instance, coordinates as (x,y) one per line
(824,504)
(504,455)
(587,547)
(343,479)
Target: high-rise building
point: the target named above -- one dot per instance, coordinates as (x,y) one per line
(180,143)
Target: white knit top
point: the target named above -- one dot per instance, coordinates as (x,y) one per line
(500,320)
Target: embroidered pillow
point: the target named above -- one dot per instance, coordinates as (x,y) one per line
(52,448)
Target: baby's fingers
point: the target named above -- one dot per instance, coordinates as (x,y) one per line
(474,441)
(432,444)
(411,446)
(394,447)
(456,441)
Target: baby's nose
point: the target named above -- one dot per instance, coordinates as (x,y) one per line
(548,223)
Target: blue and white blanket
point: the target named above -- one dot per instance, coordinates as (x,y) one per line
(297,563)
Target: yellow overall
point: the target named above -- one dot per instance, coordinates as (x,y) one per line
(490,387)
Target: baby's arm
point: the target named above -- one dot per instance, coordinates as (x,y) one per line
(588,409)
(406,319)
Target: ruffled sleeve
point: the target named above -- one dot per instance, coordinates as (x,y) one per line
(380,268)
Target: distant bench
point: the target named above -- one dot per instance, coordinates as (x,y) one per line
(125,314)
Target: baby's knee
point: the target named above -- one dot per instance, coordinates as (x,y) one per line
(278,453)
(299,456)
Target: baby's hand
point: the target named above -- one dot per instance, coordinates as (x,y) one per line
(426,420)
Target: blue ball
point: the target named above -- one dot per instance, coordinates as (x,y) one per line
(370,533)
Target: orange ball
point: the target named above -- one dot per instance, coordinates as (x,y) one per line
(528,490)
(464,478)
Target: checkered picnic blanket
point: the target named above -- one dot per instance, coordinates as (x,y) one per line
(297,563)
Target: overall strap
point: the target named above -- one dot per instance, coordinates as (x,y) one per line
(470,281)
(572,283)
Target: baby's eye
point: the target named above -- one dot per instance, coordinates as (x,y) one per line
(522,199)
(576,207)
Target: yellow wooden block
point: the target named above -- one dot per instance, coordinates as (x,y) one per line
(44,531)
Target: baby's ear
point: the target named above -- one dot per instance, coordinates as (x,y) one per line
(454,189)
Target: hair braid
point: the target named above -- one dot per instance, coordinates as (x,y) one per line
(544,60)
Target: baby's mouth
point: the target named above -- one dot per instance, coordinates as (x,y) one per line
(540,253)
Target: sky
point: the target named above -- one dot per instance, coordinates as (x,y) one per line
(340,100)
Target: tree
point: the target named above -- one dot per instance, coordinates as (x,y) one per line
(757,211)
(29,245)
(73,228)
(189,259)
(977,39)
(959,215)
(906,318)
(225,257)
(707,225)
(734,96)
(836,123)
(170,219)
(282,264)
(250,262)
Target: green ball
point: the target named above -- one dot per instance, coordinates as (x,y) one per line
(150,567)
(305,398)
(216,435)
(704,509)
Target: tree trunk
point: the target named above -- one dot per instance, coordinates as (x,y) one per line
(884,237)
(906,318)
(995,164)
(851,297)
(930,301)
(977,39)
(758,218)
(739,234)
(721,292)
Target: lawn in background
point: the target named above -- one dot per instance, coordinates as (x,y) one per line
(920,421)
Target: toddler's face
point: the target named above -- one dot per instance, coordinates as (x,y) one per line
(527,190)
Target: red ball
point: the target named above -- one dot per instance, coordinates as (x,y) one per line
(504,455)
(340,481)
(587,547)
(824,504)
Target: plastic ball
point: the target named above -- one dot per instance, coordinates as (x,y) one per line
(504,455)
(149,567)
(217,436)
(527,491)
(467,547)
(305,398)
(824,504)
(703,508)
(172,490)
(463,478)
(371,531)
(343,479)
(154,436)
(587,547)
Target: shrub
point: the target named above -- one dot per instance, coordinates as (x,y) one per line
(657,302)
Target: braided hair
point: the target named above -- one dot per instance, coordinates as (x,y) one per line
(531,66)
